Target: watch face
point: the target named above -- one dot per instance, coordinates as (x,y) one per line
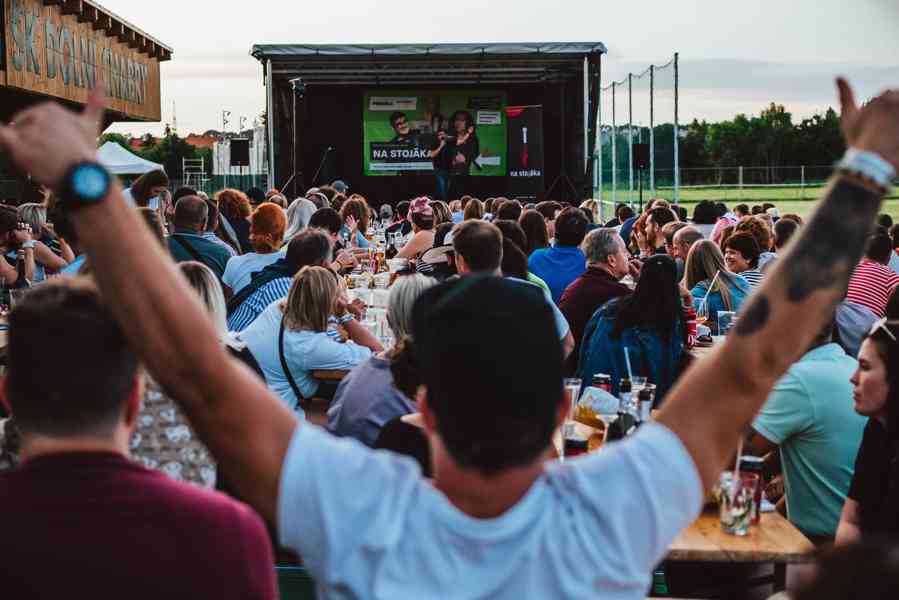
(90,182)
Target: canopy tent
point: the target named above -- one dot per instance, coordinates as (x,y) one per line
(122,162)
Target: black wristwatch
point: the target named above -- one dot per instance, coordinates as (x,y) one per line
(84,184)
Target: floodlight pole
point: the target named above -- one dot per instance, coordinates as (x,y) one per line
(676,137)
(614,151)
(652,141)
(630,138)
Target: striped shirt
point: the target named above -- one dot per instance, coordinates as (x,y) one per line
(753,276)
(257,302)
(871,285)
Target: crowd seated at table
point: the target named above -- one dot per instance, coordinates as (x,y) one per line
(450,327)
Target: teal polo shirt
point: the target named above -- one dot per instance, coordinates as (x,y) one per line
(810,416)
(215,256)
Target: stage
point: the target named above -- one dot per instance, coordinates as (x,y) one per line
(315,97)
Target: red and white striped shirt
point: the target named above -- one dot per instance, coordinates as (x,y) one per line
(871,285)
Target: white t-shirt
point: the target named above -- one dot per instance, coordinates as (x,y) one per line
(367,525)
(239,270)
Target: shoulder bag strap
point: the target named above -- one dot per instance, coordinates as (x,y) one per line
(290,379)
(190,249)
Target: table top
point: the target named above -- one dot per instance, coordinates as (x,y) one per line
(774,540)
(330,374)
(703,351)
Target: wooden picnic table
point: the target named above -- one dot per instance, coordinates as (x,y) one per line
(330,374)
(774,541)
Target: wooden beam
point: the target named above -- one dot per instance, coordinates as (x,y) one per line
(72,7)
(103,22)
(89,15)
(116,28)
(52,2)
(134,39)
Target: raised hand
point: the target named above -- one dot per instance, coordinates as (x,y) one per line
(873,127)
(46,140)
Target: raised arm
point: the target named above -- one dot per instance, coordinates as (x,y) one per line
(243,424)
(715,401)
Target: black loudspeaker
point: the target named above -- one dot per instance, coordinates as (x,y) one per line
(240,152)
(641,156)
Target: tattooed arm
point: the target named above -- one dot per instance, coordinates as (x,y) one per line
(715,401)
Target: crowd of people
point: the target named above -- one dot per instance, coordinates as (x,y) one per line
(183,331)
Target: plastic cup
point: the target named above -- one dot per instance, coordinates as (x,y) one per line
(736,501)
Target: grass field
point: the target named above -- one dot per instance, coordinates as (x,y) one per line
(787,199)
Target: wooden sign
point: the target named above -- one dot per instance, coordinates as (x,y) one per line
(58,55)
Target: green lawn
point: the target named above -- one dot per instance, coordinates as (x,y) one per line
(787,199)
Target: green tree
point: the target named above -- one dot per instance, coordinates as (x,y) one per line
(118,138)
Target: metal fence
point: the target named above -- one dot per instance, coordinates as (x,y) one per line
(640,109)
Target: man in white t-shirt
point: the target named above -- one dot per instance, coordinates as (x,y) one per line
(496,521)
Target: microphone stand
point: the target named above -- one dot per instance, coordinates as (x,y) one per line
(321,165)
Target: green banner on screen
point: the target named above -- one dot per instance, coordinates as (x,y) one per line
(401,128)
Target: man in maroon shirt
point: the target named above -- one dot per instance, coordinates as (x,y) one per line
(607,263)
(80,520)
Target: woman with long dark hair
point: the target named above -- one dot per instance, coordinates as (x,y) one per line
(534,227)
(872,505)
(649,323)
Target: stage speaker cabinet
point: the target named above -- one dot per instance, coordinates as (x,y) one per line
(641,156)
(240,152)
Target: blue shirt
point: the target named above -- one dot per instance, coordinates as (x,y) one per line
(71,269)
(368,525)
(239,270)
(305,351)
(558,267)
(810,416)
(739,289)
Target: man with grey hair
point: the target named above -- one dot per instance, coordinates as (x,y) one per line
(683,240)
(188,243)
(607,263)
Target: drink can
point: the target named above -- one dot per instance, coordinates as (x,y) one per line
(603,381)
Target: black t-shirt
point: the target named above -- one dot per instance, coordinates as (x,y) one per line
(444,159)
(470,150)
(875,484)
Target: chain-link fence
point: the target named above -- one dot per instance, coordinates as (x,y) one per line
(640,110)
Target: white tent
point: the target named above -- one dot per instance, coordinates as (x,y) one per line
(122,162)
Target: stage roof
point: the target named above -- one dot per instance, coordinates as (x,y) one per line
(411,64)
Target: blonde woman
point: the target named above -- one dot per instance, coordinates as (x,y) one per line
(729,290)
(593,207)
(51,253)
(164,439)
(474,210)
(297,330)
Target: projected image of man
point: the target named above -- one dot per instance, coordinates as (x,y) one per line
(403,132)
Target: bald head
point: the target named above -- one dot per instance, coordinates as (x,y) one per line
(191,213)
(684,240)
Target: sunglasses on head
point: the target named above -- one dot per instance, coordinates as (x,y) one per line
(881,325)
